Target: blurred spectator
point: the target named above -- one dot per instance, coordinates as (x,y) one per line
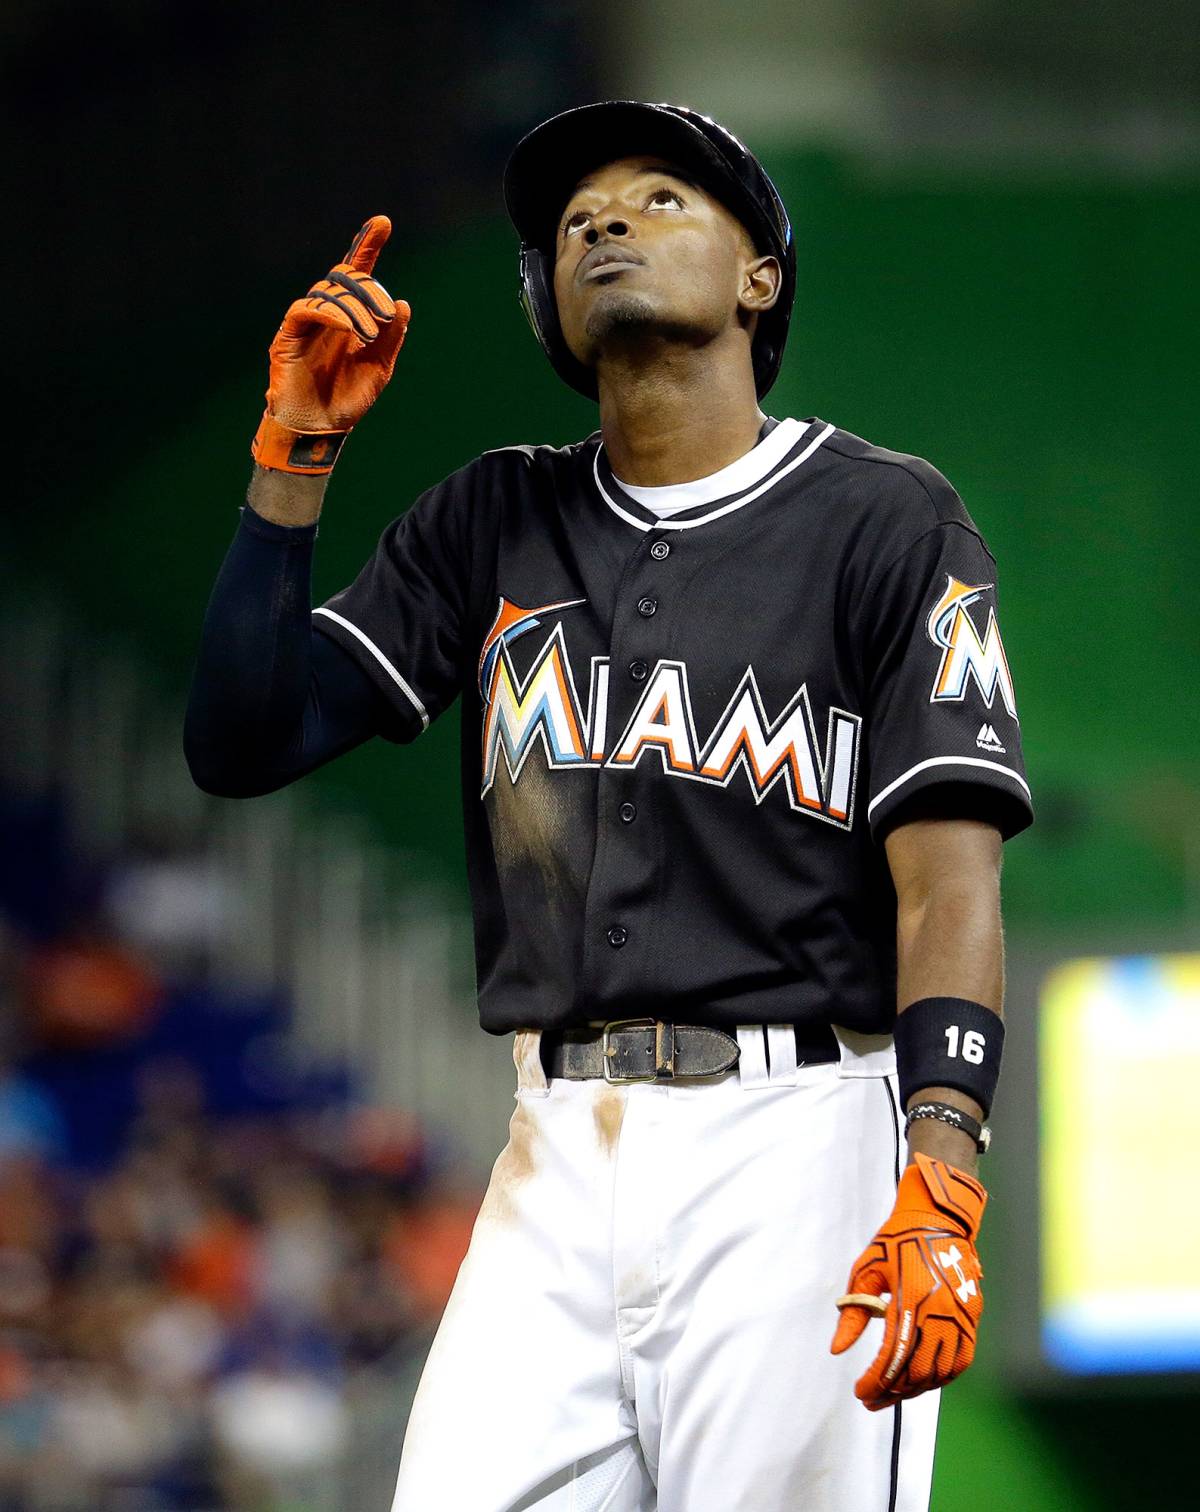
(167,899)
(31,1127)
(215,1262)
(426,1244)
(29,1216)
(108,1426)
(275,1427)
(300,1249)
(175,1343)
(86,991)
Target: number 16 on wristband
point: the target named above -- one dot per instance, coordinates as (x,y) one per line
(949,1042)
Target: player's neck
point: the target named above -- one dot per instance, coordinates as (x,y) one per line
(677,420)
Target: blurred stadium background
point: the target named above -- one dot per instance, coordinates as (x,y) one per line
(245,1114)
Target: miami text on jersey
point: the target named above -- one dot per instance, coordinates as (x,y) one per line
(964,654)
(544,708)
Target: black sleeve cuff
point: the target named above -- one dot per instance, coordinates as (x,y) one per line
(410,715)
(992,795)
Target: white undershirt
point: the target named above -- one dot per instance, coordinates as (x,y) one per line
(671,498)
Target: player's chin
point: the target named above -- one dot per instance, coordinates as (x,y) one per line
(614,313)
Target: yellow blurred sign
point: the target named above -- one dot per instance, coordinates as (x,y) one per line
(1119,1086)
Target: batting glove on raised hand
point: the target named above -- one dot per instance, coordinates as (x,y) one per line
(331,359)
(924,1259)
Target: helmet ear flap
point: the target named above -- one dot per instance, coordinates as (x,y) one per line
(541,310)
(537,298)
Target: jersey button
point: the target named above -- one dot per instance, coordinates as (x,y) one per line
(639,671)
(628,812)
(646,607)
(617,936)
(660,550)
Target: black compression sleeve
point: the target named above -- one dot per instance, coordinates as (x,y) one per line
(270,700)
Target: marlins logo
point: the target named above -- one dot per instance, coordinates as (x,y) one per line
(512,621)
(965,654)
(543,709)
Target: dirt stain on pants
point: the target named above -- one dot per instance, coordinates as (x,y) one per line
(608,1111)
(514,1166)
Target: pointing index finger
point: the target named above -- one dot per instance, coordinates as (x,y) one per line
(367,245)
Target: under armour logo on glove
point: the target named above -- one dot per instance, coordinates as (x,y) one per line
(924,1261)
(951,1259)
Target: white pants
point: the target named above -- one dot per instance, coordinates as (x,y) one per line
(642,1321)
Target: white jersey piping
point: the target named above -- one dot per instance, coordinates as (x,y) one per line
(935,761)
(381,659)
(744,472)
(713,514)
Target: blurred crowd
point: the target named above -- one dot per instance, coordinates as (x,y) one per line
(209,1278)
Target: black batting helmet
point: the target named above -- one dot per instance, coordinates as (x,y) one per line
(547,164)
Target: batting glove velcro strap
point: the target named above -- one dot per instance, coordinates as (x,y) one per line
(285,450)
(924,1262)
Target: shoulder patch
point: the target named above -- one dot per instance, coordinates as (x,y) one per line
(967,656)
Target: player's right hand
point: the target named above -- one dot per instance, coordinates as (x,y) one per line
(331,358)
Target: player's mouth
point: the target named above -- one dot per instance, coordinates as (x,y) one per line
(604,259)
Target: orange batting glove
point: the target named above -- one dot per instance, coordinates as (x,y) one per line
(330,360)
(924,1259)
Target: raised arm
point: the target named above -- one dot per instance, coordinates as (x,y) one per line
(269,700)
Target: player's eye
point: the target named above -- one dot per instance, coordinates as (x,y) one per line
(574,221)
(661,196)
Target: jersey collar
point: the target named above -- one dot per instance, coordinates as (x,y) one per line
(785,448)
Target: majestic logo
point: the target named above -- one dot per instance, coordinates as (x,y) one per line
(988,740)
(544,708)
(951,1259)
(965,654)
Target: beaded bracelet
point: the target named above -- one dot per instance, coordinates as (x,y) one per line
(955,1117)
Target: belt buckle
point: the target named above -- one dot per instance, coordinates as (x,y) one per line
(609,1051)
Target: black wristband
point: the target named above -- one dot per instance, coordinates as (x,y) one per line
(949,1042)
(955,1117)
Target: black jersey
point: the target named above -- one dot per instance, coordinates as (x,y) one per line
(684,738)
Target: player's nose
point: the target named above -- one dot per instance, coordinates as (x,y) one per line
(607,225)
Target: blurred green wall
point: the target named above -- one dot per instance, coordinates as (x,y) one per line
(1031,338)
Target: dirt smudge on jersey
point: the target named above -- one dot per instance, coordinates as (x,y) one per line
(531,826)
(608,1111)
(539,828)
(514,1166)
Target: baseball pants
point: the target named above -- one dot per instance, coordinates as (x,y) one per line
(642,1321)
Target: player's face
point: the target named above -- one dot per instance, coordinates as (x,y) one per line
(644,256)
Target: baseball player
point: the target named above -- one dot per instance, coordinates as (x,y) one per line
(739,749)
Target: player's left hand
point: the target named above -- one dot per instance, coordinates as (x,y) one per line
(924,1259)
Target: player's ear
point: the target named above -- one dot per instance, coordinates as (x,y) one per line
(762,279)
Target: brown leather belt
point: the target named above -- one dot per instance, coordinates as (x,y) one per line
(649,1050)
